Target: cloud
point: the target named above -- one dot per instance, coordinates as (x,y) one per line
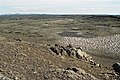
(59,6)
(50,2)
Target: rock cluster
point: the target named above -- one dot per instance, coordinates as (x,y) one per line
(70,51)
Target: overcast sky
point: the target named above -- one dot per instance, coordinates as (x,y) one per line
(60,6)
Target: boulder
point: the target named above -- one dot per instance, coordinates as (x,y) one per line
(55,50)
(116,67)
(73,69)
(18,39)
(73,53)
(69,46)
(59,50)
(83,55)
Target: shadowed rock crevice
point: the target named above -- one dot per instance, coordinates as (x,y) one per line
(116,67)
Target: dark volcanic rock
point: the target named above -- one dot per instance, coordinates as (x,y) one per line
(73,69)
(116,67)
(18,39)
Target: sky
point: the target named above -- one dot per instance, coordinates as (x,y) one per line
(60,7)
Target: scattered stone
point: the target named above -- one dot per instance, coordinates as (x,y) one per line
(75,69)
(62,57)
(106,76)
(23,54)
(69,46)
(68,68)
(18,39)
(68,74)
(35,72)
(92,62)
(29,49)
(91,66)
(98,65)
(16,78)
(48,44)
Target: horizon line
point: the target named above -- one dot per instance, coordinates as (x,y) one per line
(59,14)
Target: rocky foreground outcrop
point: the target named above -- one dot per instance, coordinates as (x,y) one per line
(70,51)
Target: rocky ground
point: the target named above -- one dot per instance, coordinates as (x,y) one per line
(108,44)
(36,47)
(105,50)
(21,60)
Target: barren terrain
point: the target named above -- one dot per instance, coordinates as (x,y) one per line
(25,55)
